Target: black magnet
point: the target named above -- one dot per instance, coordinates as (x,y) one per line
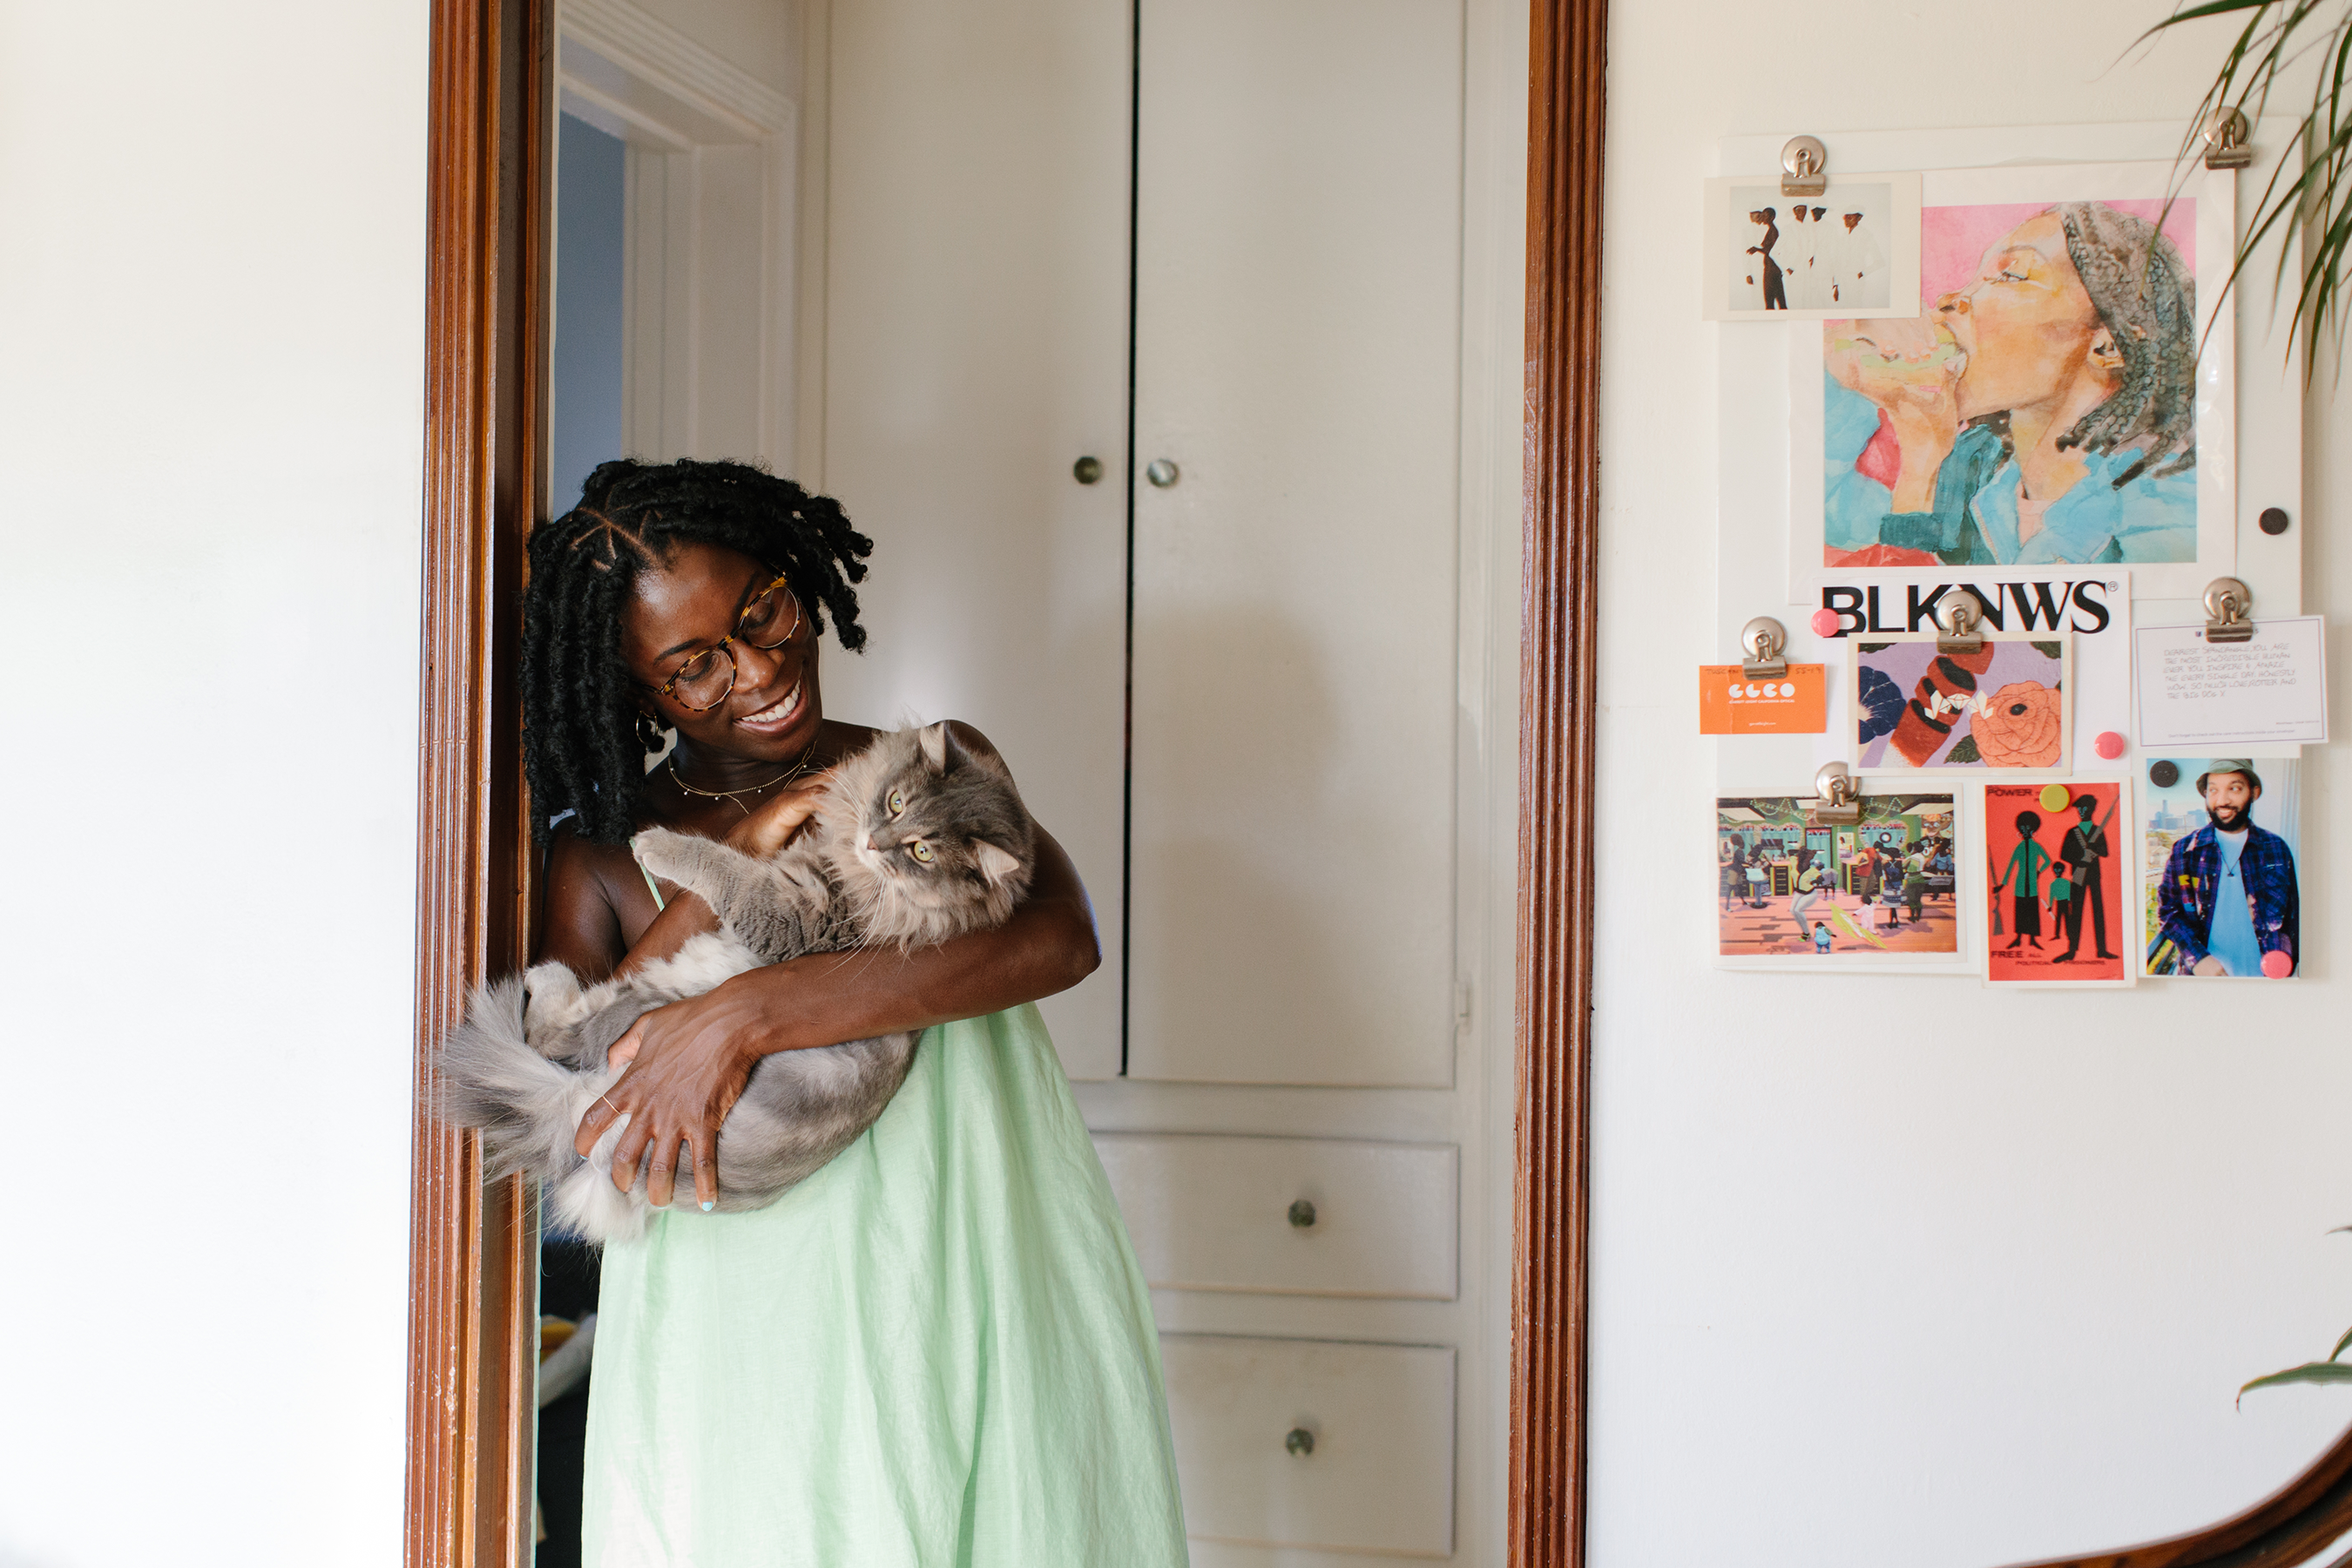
(2163,774)
(2272,520)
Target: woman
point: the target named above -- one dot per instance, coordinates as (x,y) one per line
(938,1350)
(2043,414)
(1809,890)
(2026,864)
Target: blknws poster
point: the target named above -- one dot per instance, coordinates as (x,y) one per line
(2047,405)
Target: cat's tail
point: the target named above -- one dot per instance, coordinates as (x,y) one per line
(488,1077)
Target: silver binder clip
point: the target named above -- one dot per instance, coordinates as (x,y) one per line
(1805,164)
(2227,144)
(1956,625)
(1839,806)
(1765,641)
(2227,600)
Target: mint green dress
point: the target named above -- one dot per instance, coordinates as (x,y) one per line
(936,1353)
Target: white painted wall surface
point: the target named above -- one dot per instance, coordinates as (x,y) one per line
(1906,1271)
(212,299)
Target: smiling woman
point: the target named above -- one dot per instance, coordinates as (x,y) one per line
(972,1223)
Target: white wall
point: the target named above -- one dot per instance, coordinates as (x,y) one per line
(1906,1270)
(211,299)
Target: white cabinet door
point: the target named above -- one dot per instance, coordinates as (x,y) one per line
(1298,326)
(976,314)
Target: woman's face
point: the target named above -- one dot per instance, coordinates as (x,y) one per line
(2027,324)
(685,606)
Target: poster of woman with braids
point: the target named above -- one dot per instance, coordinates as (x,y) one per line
(2048,407)
(2006,705)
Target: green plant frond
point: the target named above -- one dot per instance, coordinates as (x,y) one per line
(2310,193)
(2338,1353)
(2310,1372)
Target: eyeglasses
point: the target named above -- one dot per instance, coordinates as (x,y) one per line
(704,682)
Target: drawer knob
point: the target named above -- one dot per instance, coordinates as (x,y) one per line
(1087,470)
(1300,1441)
(1160,472)
(1302,1214)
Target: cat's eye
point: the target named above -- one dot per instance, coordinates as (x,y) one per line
(920,851)
(897,803)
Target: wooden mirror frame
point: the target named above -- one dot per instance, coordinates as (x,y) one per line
(473,1290)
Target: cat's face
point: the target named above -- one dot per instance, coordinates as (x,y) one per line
(938,828)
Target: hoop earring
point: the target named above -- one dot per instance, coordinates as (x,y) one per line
(649,733)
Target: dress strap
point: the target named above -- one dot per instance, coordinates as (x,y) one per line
(648,875)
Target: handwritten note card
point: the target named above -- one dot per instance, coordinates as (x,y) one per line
(2196,695)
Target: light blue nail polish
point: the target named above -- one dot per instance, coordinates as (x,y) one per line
(707,1207)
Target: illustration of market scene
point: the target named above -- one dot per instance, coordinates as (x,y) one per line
(1789,884)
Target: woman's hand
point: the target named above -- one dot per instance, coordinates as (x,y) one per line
(1912,370)
(687,1066)
(778,820)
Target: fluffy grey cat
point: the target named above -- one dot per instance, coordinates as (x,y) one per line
(917,839)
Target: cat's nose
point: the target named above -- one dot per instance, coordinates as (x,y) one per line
(871,846)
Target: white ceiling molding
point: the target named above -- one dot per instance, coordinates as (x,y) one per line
(637,69)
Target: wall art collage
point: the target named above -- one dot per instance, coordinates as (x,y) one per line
(2011,432)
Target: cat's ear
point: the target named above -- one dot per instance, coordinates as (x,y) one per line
(995,864)
(934,740)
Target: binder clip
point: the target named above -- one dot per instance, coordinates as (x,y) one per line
(2226,137)
(1765,641)
(1805,164)
(1839,806)
(1956,625)
(2227,600)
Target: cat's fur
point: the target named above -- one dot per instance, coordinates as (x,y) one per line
(528,1060)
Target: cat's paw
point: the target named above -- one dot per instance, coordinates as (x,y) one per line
(671,857)
(554,1002)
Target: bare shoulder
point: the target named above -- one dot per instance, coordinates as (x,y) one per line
(595,902)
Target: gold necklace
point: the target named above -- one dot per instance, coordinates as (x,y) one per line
(787,776)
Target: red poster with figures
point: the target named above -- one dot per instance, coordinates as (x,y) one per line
(2053,881)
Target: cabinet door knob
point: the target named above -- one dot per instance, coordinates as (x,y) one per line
(1300,1441)
(1087,470)
(1160,472)
(1302,1214)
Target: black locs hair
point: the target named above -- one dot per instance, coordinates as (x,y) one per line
(585,733)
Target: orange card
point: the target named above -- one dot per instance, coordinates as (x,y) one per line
(1729,703)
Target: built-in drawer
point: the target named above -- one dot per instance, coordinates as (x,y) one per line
(1289,1216)
(1314,1443)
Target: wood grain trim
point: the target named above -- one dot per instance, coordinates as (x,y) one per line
(2296,1525)
(1566,57)
(472,1253)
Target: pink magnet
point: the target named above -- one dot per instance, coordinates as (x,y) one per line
(2110,744)
(1825,623)
(2277,966)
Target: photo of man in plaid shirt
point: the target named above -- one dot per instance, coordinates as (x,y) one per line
(2228,903)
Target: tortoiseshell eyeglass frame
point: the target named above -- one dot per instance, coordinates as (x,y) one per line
(718,650)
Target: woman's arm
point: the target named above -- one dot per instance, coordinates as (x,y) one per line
(688,1061)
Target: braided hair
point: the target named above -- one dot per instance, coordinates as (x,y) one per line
(585,733)
(2146,298)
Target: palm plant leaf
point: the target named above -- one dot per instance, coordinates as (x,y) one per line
(2310,1372)
(2313,193)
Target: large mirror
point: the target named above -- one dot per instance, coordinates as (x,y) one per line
(1169,354)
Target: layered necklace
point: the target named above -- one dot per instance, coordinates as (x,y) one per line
(787,776)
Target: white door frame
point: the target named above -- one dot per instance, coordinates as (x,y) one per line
(709,362)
